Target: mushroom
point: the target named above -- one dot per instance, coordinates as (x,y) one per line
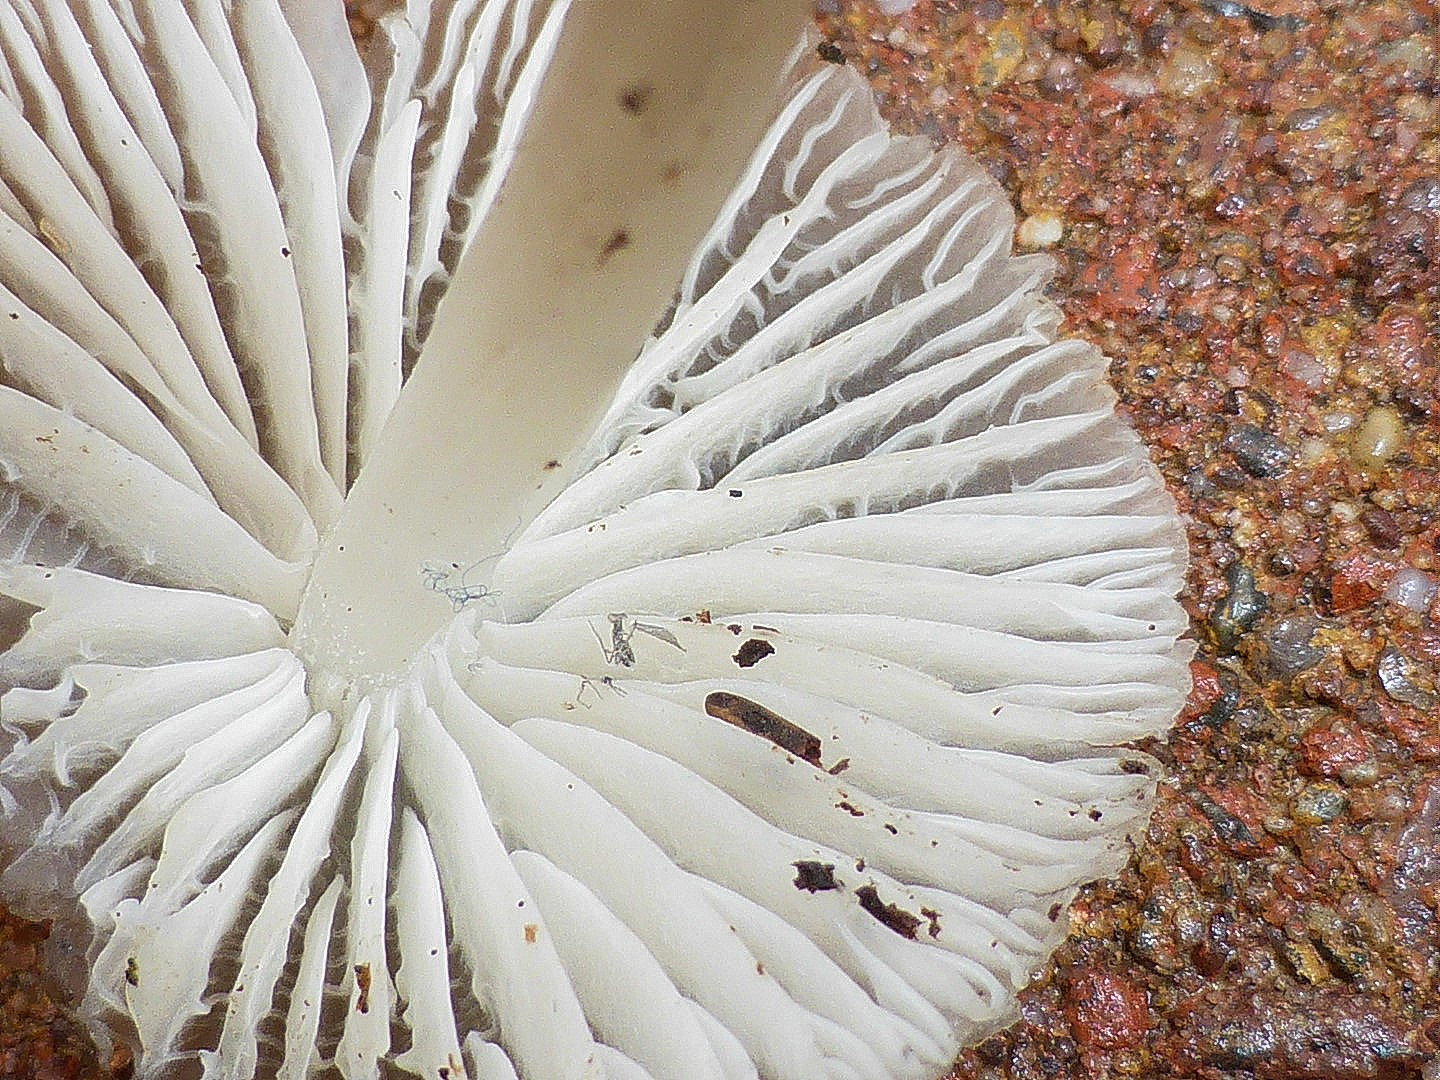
(750,707)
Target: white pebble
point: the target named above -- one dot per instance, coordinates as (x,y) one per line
(1040,230)
(1413,589)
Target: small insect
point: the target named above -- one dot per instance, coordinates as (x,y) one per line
(623,629)
(586,683)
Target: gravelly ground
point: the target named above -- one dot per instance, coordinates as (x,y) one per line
(1244,203)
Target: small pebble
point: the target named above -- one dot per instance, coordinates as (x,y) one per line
(1338,420)
(1381,527)
(1313,451)
(1134,85)
(1306,119)
(1398,675)
(1303,368)
(1259,453)
(1040,230)
(1060,78)
(1230,268)
(1318,804)
(1378,437)
(1289,646)
(1187,73)
(1242,606)
(1413,589)
(1106,1010)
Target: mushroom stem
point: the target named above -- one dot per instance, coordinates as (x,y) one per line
(636,137)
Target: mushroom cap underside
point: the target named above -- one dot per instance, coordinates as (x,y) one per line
(773,745)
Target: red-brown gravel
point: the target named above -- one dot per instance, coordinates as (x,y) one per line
(1244,203)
